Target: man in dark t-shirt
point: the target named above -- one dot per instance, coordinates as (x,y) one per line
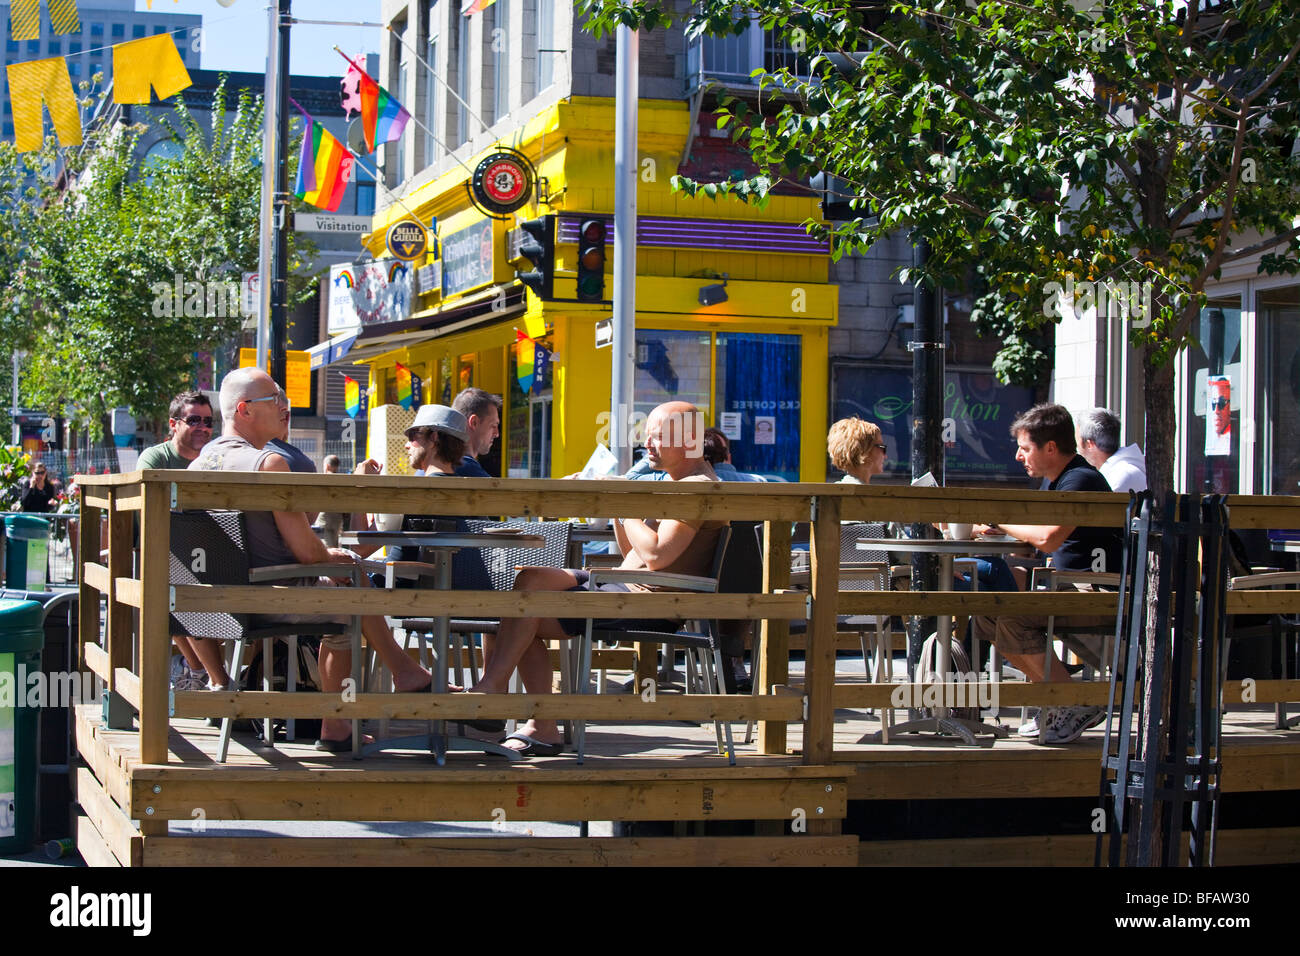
(1045,446)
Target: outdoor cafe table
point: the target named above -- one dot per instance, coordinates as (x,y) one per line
(947,550)
(442,545)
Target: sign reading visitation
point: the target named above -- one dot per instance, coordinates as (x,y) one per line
(467,259)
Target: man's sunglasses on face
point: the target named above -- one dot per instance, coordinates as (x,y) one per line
(1219,403)
(277,398)
(194,421)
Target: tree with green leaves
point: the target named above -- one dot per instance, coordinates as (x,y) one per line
(127,270)
(1126,152)
(1135,146)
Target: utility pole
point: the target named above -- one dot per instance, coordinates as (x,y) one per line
(280,256)
(623,351)
(266,214)
(927,426)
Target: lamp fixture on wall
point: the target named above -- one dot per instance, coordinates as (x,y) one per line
(714,294)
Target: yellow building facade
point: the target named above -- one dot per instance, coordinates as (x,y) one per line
(756,363)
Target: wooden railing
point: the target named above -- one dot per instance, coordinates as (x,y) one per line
(131,582)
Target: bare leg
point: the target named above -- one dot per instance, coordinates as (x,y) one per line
(335,667)
(209,653)
(186,647)
(1031,665)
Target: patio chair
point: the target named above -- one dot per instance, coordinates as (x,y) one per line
(1279,628)
(701,642)
(208,547)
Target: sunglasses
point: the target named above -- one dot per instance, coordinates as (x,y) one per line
(1219,403)
(194,421)
(278,399)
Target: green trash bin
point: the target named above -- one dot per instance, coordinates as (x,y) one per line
(27,552)
(22,636)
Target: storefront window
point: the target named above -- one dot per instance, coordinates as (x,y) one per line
(1279,399)
(758,380)
(527,429)
(1213,427)
(671,367)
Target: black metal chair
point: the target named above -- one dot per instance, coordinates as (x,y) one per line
(701,641)
(208,548)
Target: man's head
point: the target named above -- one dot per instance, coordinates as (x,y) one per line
(1098,436)
(1044,440)
(674,437)
(437,437)
(253,406)
(190,421)
(330,465)
(482,411)
(716,449)
(1221,408)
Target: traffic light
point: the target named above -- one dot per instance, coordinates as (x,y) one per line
(591,261)
(538,248)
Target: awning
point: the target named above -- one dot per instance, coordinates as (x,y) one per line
(331,350)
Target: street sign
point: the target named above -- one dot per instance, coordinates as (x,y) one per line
(337,224)
(250,293)
(407,240)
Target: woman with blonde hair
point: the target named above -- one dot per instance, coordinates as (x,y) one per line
(856,448)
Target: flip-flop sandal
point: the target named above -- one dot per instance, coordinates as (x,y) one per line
(535,748)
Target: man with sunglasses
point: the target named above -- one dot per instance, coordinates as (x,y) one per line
(190,420)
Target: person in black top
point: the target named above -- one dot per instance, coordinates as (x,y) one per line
(482,413)
(40,491)
(1045,446)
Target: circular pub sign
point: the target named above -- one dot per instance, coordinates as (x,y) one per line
(502,182)
(407,240)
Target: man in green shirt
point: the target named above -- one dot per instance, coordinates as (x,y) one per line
(190,420)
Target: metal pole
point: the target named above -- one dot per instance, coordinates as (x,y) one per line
(266,233)
(622,354)
(280,250)
(927,428)
(18,432)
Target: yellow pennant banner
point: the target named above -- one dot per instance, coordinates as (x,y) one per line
(25,18)
(47,82)
(138,64)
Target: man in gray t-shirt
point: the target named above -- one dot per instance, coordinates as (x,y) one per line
(190,421)
(253,411)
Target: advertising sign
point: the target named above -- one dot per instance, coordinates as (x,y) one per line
(467,258)
(375,292)
(297,374)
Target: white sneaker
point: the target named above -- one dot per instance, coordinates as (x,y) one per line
(1030,727)
(1067,724)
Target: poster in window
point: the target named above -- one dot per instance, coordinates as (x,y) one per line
(1218,426)
(764,429)
(729,425)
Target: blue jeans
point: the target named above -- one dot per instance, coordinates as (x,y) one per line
(994,576)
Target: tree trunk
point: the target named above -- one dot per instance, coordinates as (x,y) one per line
(1158,390)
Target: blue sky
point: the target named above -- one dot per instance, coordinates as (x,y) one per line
(236,35)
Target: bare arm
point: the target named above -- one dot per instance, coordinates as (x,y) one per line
(294,529)
(658,543)
(1045,537)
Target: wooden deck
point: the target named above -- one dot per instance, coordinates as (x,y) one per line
(632,773)
(803,793)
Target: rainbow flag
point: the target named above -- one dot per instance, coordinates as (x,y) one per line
(382,118)
(403,385)
(470,7)
(525,361)
(351,396)
(324,168)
